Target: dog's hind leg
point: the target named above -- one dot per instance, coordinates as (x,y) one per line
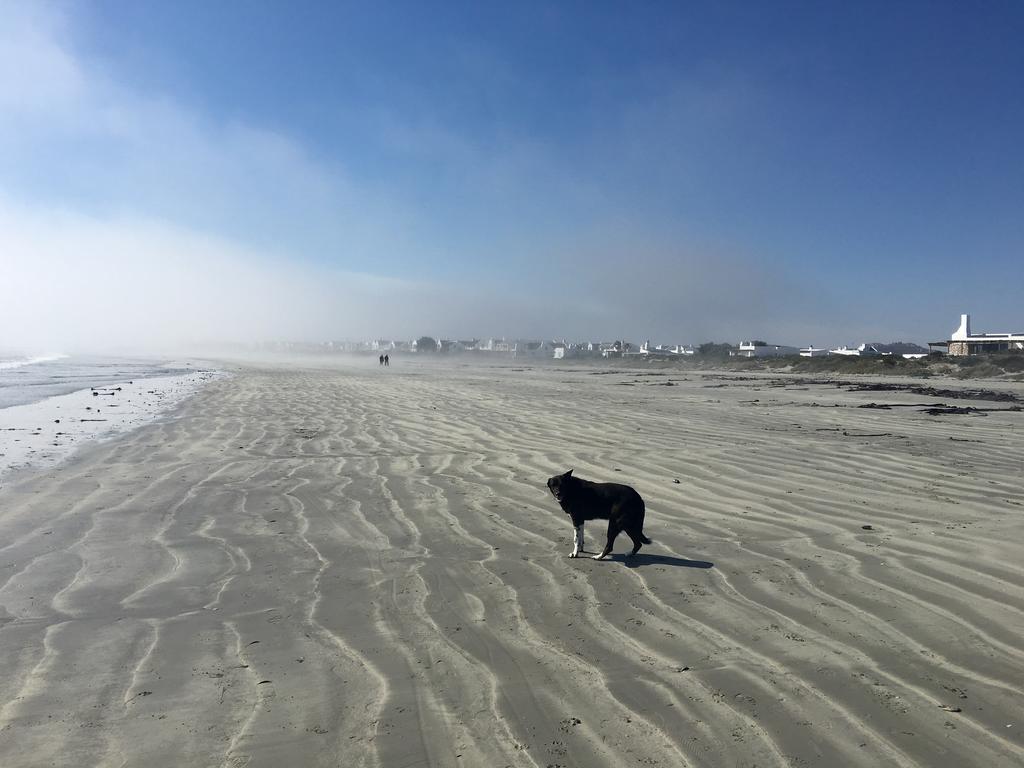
(638,540)
(613,531)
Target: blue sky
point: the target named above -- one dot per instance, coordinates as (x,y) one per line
(804,172)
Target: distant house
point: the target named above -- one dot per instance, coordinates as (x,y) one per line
(524,348)
(534,349)
(665,350)
(903,348)
(963,342)
(762,349)
(864,350)
(564,349)
(616,348)
(813,351)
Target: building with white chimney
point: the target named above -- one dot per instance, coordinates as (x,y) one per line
(964,342)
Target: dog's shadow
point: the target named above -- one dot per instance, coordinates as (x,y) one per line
(642,558)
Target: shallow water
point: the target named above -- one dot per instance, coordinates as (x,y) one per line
(25,380)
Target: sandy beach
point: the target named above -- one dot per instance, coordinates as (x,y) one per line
(354,566)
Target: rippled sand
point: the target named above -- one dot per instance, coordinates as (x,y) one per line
(362,567)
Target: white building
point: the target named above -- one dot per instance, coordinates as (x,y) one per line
(665,350)
(963,342)
(864,350)
(813,351)
(614,348)
(760,349)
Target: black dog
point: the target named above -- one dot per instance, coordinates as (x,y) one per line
(583,500)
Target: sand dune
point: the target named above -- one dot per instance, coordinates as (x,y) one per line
(362,567)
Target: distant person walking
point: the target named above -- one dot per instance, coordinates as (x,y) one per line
(387,361)
(381,358)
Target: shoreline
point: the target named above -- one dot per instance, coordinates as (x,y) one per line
(46,432)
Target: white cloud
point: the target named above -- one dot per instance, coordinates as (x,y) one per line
(83,283)
(74,136)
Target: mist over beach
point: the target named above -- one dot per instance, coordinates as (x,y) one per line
(538,385)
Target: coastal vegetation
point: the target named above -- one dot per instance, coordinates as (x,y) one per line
(1010,366)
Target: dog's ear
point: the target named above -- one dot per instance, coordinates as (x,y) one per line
(568,474)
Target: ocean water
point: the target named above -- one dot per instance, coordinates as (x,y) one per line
(25,380)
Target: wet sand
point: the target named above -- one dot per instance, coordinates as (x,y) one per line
(362,567)
(47,431)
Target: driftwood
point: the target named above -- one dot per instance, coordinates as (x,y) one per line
(950,394)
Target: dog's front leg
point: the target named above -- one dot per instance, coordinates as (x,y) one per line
(577,542)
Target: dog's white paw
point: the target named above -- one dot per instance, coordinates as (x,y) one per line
(599,557)
(574,554)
